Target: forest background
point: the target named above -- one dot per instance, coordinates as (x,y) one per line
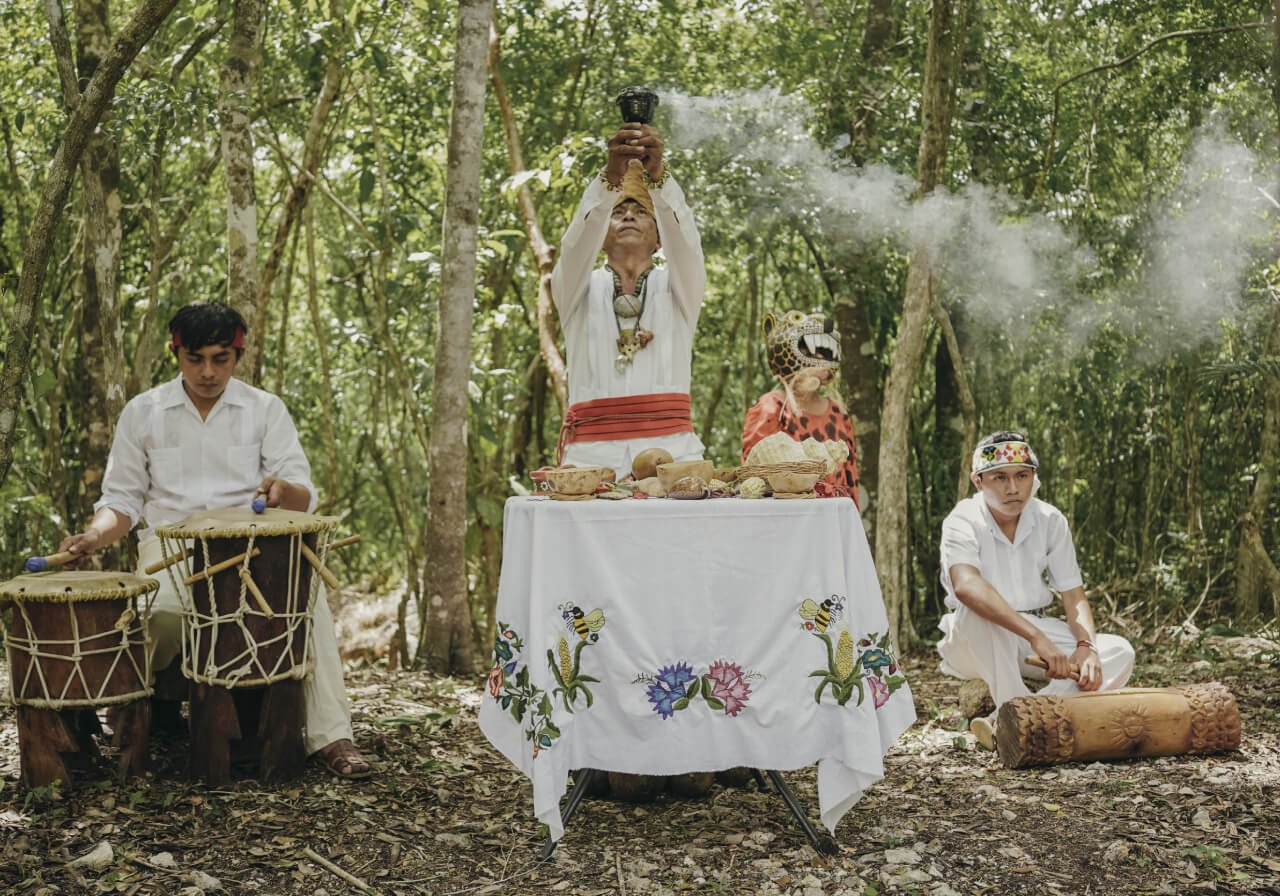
(1057,216)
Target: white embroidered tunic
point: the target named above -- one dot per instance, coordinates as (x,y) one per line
(584,300)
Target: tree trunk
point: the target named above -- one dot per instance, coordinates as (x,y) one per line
(893,518)
(101,347)
(26,322)
(961,417)
(447,643)
(848,282)
(1251,572)
(235,113)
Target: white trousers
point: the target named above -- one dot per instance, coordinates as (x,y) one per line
(324,695)
(973,647)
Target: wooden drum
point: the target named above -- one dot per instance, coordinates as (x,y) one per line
(78,640)
(1195,718)
(248,584)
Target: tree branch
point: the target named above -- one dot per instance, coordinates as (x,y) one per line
(1120,63)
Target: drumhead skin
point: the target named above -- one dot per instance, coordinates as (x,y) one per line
(233,522)
(73,585)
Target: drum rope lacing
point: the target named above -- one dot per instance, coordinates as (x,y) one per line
(132,633)
(246,668)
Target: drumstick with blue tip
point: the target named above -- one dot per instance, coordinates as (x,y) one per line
(259,502)
(44,564)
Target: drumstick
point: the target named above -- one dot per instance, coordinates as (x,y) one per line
(343,542)
(1041,664)
(218,567)
(259,505)
(329,578)
(42,564)
(257,595)
(166,562)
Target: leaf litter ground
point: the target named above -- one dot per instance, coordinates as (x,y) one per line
(447,815)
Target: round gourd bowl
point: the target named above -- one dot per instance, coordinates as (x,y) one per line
(669,473)
(793,483)
(577,480)
(645,464)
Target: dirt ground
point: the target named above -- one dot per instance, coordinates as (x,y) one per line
(447,815)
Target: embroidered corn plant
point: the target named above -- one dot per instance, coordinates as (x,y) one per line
(566,663)
(850,668)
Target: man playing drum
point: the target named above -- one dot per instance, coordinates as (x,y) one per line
(207,440)
(628,326)
(997,547)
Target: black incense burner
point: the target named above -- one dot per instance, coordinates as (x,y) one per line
(637,104)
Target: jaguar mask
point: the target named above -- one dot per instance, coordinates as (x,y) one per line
(799,341)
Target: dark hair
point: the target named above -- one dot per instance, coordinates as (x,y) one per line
(1004,435)
(207,323)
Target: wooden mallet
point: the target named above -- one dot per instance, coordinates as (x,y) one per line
(43,564)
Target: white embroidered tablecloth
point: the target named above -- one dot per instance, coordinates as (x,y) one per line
(662,637)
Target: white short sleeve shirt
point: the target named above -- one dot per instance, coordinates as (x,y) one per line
(166,463)
(1041,555)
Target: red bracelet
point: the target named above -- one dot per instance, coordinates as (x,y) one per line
(1089,644)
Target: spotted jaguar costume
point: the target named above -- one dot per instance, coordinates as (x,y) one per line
(798,342)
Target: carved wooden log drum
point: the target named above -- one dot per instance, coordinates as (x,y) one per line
(248,584)
(77,641)
(1042,730)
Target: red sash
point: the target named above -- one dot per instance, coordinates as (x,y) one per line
(626,417)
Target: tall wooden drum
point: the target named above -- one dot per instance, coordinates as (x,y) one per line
(248,584)
(78,641)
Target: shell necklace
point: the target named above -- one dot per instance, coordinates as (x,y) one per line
(629,307)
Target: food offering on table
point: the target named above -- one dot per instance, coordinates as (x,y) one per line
(792,483)
(669,474)
(689,488)
(790,469)
(577,483)
(645,464)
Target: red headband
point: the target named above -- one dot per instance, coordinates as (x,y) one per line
(237,341)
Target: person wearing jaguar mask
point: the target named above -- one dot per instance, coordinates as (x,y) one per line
(804,355)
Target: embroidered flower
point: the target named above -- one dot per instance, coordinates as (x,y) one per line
(729,685)
(879,691)
(875,658)
(669,687)
(495,682)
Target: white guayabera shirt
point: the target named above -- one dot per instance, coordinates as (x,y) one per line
(1041,545)
(167,463)
(584,300)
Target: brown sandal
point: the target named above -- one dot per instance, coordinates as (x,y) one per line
(343,760)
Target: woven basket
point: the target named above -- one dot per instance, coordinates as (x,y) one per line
(793,466)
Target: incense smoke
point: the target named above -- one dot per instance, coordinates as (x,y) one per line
(1001,260)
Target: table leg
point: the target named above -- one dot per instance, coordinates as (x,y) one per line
(823,843)
(575,797)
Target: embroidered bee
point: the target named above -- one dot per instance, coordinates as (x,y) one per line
(819,616)
(584,625)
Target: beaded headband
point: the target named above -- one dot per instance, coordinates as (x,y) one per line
(1004,454)
(237,341)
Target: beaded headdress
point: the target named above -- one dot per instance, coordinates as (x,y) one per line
(1013,452)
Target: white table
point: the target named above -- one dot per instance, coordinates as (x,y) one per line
(703,654)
